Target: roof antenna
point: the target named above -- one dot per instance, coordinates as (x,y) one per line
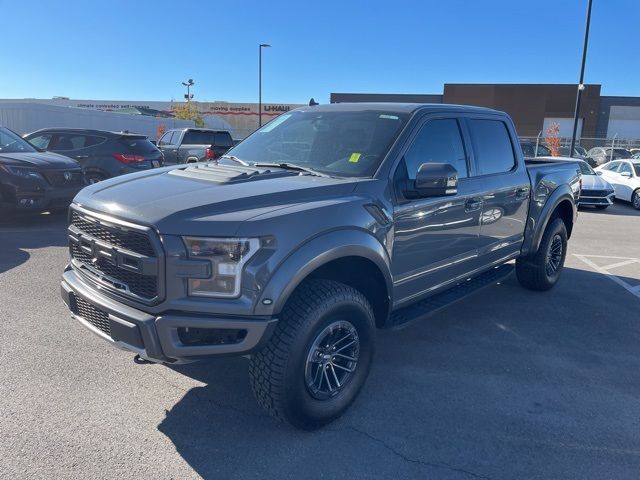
(313,103)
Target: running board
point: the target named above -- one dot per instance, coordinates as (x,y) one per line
(430,305)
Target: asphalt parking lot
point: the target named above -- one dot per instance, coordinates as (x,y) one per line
(507,384)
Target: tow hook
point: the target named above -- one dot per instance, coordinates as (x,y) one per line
(141,361)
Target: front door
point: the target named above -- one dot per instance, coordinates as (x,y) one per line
(168,149)
(434,238)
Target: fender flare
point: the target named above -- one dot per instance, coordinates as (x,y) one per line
(315,253)
(559,195)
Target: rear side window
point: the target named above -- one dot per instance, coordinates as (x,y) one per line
(439,141)
(195,137)
(492,146)
(139,144)
(223,139)
(73,141)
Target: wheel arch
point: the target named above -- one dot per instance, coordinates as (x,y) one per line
(352,257)
(561,203)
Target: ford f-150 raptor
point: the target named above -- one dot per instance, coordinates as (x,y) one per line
(327,223)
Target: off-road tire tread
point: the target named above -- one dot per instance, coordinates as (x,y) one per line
(267,367)
(530,270)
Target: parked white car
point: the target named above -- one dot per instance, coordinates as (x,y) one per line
(624,177)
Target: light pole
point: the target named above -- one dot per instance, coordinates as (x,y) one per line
(581,83)
(189,83)
(260,47)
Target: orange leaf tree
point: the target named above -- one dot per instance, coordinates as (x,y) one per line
(552,139)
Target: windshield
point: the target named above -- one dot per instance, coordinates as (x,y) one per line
(619,153)
(586,169)
(344,144)
(12,143)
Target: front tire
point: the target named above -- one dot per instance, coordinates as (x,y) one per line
(318,358)
(541,271)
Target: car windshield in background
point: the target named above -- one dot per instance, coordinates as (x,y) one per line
(344,144)
(12,143)
(586,169)
(139,144)
(620,153)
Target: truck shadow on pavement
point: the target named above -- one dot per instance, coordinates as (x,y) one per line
(29,232)
(484,389)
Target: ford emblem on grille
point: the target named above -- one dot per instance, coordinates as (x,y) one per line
(68,176)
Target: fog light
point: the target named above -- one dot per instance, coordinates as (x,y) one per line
(26,202)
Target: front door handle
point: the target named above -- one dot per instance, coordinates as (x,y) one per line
(472,205)
(522,193)
(80,157)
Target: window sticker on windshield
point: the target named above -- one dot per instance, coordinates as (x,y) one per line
(274,123)
(355,157)
(389,117)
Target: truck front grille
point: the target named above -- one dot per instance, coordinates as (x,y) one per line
(119,257)
(91,314)
(130,240)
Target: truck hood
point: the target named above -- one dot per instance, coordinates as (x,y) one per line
(206,199)
(37,159)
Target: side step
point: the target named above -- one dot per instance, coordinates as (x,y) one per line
(430,305)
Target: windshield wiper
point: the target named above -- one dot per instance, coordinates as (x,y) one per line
(293,167)
(235,159)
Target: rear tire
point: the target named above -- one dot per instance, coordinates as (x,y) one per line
(323,325)
(542,270)
(635,199)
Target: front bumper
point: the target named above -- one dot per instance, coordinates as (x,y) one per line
(159,338)
(596,200)
(36,199)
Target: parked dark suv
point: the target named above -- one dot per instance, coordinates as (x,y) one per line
(101,154)
(35,180)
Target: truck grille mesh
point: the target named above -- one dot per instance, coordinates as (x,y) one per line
(110,273)
(91,314)
(134,241)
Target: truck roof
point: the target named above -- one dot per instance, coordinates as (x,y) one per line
(396,107)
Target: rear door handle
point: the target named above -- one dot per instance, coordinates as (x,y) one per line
(80,157)
(472,205)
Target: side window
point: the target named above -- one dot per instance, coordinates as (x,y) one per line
(63,142)
(492,146)
(612,166)
(41,141)
(92,140)
(527,150)
(165,139)
(625,167)
(439,141)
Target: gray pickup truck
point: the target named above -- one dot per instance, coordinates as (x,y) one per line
(324,225)
(190,145)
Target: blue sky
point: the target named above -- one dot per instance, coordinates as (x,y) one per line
(142,50)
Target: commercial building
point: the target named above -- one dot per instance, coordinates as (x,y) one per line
(534,107)
(240,118)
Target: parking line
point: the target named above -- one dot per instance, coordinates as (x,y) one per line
(633,290)
(621,264)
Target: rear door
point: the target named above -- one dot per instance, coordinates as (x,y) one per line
(506,184)
(435,238)
(626,181)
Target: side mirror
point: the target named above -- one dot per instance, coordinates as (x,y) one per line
(599,172)
(626,174)
(433,180)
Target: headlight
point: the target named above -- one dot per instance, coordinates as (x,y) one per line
(22,172)
(227,257)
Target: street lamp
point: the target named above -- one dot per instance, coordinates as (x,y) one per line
(260,47)
(189,83)
(581,83)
